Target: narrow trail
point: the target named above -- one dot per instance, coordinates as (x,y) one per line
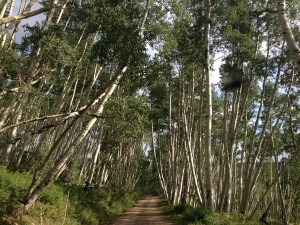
(145,212)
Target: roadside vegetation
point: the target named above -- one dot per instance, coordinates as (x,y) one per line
(61,203)
(188,215)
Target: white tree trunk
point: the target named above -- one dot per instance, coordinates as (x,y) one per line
(287,32)
(35,192)
(208,158)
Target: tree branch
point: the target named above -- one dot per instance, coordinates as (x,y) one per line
(32,132)
(101,117)
(69,115)
(23,16)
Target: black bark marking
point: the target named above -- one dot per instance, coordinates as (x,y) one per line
(296,51)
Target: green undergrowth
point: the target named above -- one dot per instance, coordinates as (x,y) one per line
(187,215)
(62,204)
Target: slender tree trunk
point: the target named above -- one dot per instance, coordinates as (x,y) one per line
(13,23)
(279,173)
(159,169)
(287,32)
(95,159)
(22,16)
(33,195)
(4,8)
(208,157)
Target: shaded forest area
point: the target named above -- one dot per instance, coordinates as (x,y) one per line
(119,94)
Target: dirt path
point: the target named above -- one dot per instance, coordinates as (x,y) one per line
(145,212)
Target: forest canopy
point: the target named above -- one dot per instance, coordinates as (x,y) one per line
(120,94)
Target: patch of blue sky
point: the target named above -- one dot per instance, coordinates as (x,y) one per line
(30,21)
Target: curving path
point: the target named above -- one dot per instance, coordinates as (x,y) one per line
(145,212)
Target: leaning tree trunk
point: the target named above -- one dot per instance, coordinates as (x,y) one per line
(287,32)
(31,198)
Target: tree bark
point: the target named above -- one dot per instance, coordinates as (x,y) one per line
(287,32)
(34,194)
(23,16)
(208,159)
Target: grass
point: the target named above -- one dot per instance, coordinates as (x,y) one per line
(188,215)
(60,203)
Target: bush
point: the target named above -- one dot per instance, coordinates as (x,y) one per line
(193,214)
(187,215)
(60,203)
(12,189)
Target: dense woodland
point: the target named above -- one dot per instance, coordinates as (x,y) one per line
(119,93)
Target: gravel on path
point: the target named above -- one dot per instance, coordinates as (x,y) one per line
(145,212)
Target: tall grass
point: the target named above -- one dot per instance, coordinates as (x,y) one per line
(60,203)
(188,215)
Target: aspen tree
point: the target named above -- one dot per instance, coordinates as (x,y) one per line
(102,99)
(208,155)
(287,32)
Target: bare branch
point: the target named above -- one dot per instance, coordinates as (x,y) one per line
(23,16)
(32,132)
(101,117)
(3,129)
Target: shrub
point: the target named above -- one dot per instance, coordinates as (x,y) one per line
(60,203)
(191,214)
(187,215)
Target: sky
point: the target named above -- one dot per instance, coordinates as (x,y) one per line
(216,67)
(30,21)
(215,75)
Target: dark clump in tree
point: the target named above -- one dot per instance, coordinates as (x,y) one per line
(232,83)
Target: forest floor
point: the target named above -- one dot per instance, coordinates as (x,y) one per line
(146,211)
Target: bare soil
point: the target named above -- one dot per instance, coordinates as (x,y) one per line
(145,212)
